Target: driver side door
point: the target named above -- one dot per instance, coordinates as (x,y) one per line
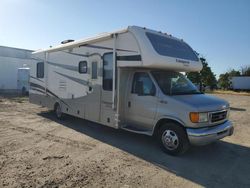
(141,101)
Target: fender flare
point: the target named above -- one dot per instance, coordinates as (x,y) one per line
(162,119)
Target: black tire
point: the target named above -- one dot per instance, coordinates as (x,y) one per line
(173,139)
(58,111)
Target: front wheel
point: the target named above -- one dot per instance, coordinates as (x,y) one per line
(173,139)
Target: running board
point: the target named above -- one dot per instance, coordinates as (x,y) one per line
(135,130)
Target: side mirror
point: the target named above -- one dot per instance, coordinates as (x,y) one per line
(139,88)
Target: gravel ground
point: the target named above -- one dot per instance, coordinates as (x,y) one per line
(36,150)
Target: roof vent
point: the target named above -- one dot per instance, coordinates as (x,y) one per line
(67,41)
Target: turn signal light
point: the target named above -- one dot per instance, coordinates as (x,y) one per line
(194,117)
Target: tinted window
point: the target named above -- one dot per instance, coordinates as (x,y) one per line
(142,84)
(40,70)
(107,82)
(94,70)
(83,67)
(171,47)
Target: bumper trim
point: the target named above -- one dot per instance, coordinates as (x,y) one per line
(207,135)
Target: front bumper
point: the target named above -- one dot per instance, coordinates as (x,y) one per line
(203,136)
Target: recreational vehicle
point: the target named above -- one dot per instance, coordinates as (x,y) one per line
(131,79)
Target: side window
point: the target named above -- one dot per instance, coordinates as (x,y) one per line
(107,79)
(40,70)
(94,70)
(143,85)
(83,67)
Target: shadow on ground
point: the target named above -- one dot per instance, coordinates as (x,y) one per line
(221,164)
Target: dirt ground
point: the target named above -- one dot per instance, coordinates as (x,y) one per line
(36,150)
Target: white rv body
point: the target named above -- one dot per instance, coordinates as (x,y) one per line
(62,79)
(79,78)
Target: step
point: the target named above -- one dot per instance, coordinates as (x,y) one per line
(136,130)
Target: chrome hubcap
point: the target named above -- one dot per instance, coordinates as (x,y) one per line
(170,139)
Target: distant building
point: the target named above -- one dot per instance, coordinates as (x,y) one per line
(240,82)
(11,59)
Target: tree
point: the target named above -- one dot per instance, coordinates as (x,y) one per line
(195,77)
(225,79)
(245,71)
(205,76)
(233,72)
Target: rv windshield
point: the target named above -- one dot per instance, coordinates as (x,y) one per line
(171,47)
(174,83)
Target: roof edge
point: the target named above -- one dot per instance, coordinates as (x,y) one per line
(96,38)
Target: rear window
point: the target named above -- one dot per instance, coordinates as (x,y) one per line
(171,47)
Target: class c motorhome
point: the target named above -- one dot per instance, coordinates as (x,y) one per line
(130,79)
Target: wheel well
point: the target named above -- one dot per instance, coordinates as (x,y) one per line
(162,122)
(55,105)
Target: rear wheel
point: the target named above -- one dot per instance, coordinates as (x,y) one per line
(58,111)
(173,139)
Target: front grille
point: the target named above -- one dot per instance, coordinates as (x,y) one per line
(218,116)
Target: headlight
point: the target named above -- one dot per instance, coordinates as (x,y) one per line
(197,117)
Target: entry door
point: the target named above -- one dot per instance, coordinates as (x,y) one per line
(93,103)
(141,101)
(107,113)
(107,82)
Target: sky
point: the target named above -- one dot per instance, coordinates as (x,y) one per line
(217,29)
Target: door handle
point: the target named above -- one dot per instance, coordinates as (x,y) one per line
(129,104)
(163,101)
